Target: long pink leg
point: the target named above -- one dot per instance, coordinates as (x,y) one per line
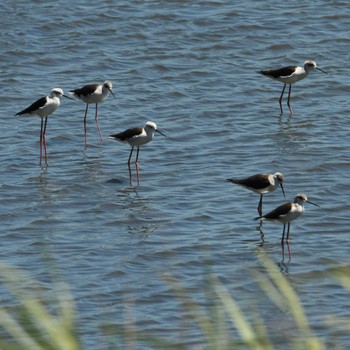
(137,174)
(44,140)
(260,206)
(288,101)
(137,156)
(280,100)
(132,149)
(41,140)
(288,243)
(96,119)
(130,175)
(282,241)
(87,107)
(129,167)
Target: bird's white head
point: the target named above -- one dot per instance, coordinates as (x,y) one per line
(308,65)
(56,92)
(301,199)
(108,85)
(152,127)
(279,177)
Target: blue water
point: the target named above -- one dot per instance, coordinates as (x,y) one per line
(191,67)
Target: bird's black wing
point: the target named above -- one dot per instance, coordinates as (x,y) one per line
(257,181)
(34,106)
(127,134)
(279,211)
(281,72)
(85,90)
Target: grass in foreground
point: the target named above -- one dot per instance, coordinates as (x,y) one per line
(33,325)
(30,325)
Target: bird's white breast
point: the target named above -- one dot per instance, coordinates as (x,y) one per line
(51,105)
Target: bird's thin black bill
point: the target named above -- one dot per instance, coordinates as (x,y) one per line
(110,90)
(313,204)
(161,133)
(69,98)
(283,190)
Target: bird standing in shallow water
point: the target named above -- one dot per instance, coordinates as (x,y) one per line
(43,108)
(137,137)
(286,213)
(93,93)
(261,183)
(290,75)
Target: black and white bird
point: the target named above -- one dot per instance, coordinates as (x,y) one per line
(137,137)
(286,213)
(43,108)
(290,75)
(261,184)
(93,93)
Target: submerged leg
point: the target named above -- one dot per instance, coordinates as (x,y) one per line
(96,120)
(86,109)
(288,101)
(280,100)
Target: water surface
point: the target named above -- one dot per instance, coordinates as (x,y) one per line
(192,69)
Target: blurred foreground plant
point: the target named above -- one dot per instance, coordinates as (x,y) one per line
(29,325)
(36,323)
(223,323)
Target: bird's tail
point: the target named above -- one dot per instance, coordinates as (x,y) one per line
(234,181)
(263,72)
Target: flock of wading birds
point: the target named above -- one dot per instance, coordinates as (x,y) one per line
(138,136)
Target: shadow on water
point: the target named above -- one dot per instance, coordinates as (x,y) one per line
(115,181)
(131,178)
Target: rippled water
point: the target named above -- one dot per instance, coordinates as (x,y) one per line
(191,67)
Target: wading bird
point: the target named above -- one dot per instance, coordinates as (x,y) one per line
(290,75)
(43,108)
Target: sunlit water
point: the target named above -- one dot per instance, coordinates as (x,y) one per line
(192,69)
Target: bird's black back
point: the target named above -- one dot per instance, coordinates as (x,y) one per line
(34,106)
(127,134)
(279,211)
(281,72)
(257,181)
(85,90)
